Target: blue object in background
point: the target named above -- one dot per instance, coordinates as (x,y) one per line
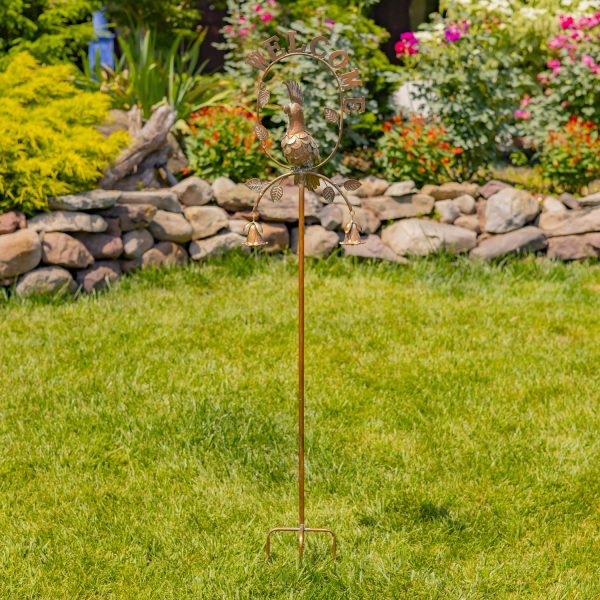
(102,46)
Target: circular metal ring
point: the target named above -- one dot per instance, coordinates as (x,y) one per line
(341,119)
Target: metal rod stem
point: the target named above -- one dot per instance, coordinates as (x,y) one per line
(301,357)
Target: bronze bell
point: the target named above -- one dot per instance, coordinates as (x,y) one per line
(254,233)
(352,235)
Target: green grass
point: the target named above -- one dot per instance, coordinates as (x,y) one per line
(148,435)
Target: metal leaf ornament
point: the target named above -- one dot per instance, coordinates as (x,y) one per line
(328,194)
(263,97)
(261,133)
(352,184)
(276,193)
(256,185)
(331,115)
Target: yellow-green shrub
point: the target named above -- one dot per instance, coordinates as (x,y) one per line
(48,141)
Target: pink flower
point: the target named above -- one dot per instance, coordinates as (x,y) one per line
(243,31)
(242,19)
(456,30)
(557,42)
(525,101)
(553,64)
(329,22)
(266,17)
(407,44)
(272,3)
(258,7)
(566,21)
(587,60)
(399,47)
(522,114)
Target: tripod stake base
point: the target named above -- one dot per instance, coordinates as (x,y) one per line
(301,531)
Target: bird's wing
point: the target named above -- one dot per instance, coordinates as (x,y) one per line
(295,91)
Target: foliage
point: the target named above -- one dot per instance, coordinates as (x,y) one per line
(167,18)
(148,75)
(51,30)
(569,84)
(220,141)
(49,143)
(473,64)
(149,436)
(570,157)
(416,149)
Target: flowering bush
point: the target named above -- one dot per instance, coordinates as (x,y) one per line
(416,149)
(570,157)
(221,141)
(570,82)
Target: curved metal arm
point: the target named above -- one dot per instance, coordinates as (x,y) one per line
(341,120)
(289,174)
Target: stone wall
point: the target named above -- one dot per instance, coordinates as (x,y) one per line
(90,239)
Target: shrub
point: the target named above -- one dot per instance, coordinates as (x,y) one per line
(570,157)
(221,141)
(49,143)
(416,149)
(569,84)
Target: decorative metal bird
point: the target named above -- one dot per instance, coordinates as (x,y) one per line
(299,147)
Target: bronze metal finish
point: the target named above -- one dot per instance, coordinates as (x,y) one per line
(301,151)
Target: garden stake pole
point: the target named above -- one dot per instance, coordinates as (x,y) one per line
(302,153)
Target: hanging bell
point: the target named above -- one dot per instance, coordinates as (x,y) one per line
(254,233)
(352,235)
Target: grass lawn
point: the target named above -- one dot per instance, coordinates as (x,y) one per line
(148,435)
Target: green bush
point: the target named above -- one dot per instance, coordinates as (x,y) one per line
(49,143)
(221,141)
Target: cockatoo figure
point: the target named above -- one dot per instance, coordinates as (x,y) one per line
(299,147)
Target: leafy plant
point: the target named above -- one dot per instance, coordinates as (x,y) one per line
(50,145)
(416,149)
(569,84)
(570,157)
(51,30)
(147,75)
(220,140)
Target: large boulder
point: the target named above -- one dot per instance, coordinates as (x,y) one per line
(451,190)
(331,216)
(468,222)
(401,188)
(510,209)
(20,252)
(64,250)
(104,246)
(421,237)
(99,275)
(373,248)
(466,204)
(527,239)
(221,184)
(372,186)
(136,242)
(92,200)
(571,222)
(161,199)
(164,254)
(286,209)
(193,191)
(551,204)
(591,200)
(574,247)
(318,241)
(131,216)
(11,221)
(45,281)
(206,220)
(405,207)
(492,187)
(238,197)
(216,245)
(67,221)
(447,210)
(171,227)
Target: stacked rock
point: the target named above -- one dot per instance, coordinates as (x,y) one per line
(90,239)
